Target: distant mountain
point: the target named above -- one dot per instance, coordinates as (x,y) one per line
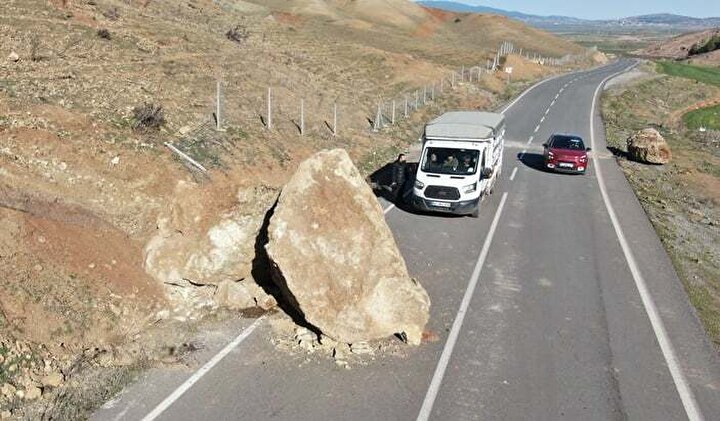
(670,20)
(560,23)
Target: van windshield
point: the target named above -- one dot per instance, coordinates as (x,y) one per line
(450,161)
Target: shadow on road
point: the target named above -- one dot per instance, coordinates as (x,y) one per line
(535,161)
(617,152)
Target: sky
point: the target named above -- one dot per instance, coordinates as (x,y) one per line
(606,9)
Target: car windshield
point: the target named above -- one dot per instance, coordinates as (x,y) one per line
(567,142)
(450,161)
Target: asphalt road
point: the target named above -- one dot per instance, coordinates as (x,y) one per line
(573,315)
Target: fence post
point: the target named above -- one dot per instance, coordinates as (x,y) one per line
(424,95)
(392,117)
(218,122)
(269,108)
(417,100)
(453,79)
(432,92)
(335,119)
(442,85)
(302,116)
(406,107)
(462,74)
(377,124)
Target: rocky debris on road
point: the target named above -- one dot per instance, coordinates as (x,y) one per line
(307,344)
(648,146)
(14,57)
(335,259)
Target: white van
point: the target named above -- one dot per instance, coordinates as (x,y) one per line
(461,159)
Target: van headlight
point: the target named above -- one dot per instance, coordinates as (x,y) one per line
(470,188)
(419,184)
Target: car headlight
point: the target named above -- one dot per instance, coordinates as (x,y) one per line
(469,188)
(551,155)
(583,158)
(419,184)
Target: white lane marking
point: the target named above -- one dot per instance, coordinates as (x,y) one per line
(537,128)
(527,92)
(562,89)
(512,176)
(434,388)
(389,208)
(553,102)
(557,96)
(174,396)
(531,139)
(522,154)
(542,119)
(683,388)
(547,111)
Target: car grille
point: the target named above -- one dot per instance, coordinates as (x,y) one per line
(441,192)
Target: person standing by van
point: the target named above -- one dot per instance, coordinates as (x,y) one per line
(398,177)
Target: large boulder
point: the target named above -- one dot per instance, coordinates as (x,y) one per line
(648,146)
(335,259)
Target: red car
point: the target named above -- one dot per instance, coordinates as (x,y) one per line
(566,153)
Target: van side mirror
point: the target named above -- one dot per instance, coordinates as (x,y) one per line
(487,172)
(545,144)
(588,149)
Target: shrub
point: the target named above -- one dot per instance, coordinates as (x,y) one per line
(707,46)
(237,34)
(148,117)
(112,14)
(104,33)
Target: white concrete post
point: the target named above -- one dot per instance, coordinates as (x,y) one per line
(406,107)
(218,123)
(269,109)
(302,116)
(335,119)
(393,112)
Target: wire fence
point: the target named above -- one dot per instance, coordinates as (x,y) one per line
(282,106)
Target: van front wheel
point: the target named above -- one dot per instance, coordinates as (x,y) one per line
(476,213)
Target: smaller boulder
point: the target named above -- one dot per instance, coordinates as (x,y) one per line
(648,146)
(14,57)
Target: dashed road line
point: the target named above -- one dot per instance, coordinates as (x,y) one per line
(436,381)
(553,102)
(542,120)
(531,139)
(389,208)
(537,128)
(547,111)
(512,176)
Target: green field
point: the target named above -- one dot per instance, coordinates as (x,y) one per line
(709,75)
(708,118)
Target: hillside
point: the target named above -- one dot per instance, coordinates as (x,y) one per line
(684,47)
(660,21)
(91,199)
